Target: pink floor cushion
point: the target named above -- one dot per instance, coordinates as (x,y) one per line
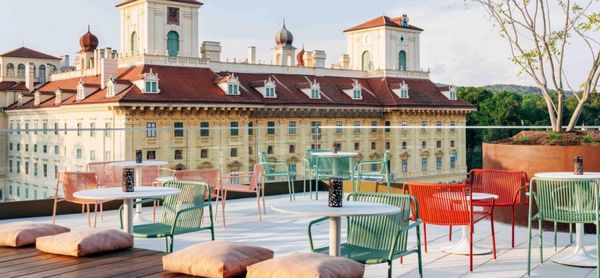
(19,234)
(299,265)
(215,259)
(85,243)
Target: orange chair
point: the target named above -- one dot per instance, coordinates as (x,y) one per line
(211,176)
(235,182)
(510,186)
(107,175)
(72,182)
(448,205)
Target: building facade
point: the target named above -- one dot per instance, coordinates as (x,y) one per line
(162,94)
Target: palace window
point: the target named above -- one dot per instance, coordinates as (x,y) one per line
(233,85)
(424,126)
(387,126)
(401,90)
(45,170)
(357,146)
(404,165)
(387,145)
(204,129)
(10,70)
(373,126)
(42,76)
(92,129)
(151,155)
(357,127)
(438,163)
(150,82)
(173,44)
(134,43)
(234,129)
(338,127)
(423,144)
(292,149)
(92,155)
(404,145)
(234,152)
(453,161)
(438,144)
(79,154)
(402,60)
(204,153)
(151,130)
(270,128)
(452,126)
(424,164)
(452,144)
(21,70)
(110,88)
(373,146)
(367,63)
(404,127)
(438,126)
(357,90)
(270,91)
(178,129)
(250,128)
(315,90)
(292,129)
(178,155)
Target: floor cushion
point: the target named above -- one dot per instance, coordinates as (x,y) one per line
(19,234)
(300,265)
(215,259)
(84,243)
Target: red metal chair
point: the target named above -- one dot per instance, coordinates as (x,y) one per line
(449,205)
(237,182)
(211,176)
(510,186)
(72,182)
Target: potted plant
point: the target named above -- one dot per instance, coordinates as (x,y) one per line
(539,34)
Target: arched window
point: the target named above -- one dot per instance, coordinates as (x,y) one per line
(21,70)
(173,43)
(10,70)
(42,74)
(367,64)
(402,60)
(134,43)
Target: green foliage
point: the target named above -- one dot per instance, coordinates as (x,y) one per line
(521,140)
(588,139)
(554,136)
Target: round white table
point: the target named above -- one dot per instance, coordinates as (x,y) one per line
(334,157)
(138,178)
(320,209)
(116,193)
(580,257)
(462,246)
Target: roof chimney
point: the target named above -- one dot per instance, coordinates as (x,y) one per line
(252,55)
(108,69)
(319,57)
(211,51)
(30,76)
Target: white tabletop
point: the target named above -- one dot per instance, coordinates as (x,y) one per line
(135,164)
(116,193)
(569,175)
(332,154)
(319,209)
(483,196)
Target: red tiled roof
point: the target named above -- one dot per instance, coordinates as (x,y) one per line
(13,86)
(196,85)
(24,52)
(382,21)
(182,1)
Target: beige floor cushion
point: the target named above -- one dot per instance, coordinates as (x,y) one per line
(19,234)
(299,265)
(84,243)
(215,259)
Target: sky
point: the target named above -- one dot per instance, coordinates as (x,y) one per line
(459,45)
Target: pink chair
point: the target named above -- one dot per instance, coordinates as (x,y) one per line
(72,182)
(233,183)
(211,176)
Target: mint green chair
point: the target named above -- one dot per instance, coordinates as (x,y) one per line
(310,170)
(383,174)
(271,169)
(378,239)
(567,201)
(181,213)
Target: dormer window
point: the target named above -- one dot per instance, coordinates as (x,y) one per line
(110,88)
(315,92)
(233,85)
(452,95)
(449,92)
(150,83)
(357,91)
(80,91)
(401,89)
(270,91)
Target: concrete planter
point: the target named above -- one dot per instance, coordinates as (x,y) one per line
(536,159)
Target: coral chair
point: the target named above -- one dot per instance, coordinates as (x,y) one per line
(509,186)
(210,176)
(107,175)
(234,183)
(72,182)
(449,205)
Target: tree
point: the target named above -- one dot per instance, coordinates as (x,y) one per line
(538,32)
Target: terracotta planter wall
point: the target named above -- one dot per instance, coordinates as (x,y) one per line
(536,159)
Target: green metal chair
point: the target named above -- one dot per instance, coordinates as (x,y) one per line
(271,169)
(382,174)
(567,201)
(378,239)
(310,170)
(181,213)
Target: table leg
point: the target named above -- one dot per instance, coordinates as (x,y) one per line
(580,257)
(335,234)
(334,167)
(462,247)
(138,182)
(128,217)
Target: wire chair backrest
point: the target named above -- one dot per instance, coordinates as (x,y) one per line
(378,232)
(566,200)
(150,174)
(107,174)
(76,181)
(191,197)
(503,183)
(442,204)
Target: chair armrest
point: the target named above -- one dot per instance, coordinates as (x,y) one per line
(180,212)
(310,224)
(415,224)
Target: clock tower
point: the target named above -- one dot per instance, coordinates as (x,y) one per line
(159,27)
(384,43)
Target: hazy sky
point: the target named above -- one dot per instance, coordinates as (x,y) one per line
(459,44)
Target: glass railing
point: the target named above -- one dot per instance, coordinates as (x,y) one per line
(32,158)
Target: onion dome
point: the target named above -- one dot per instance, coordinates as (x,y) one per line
(88,42)
(284,37)
(300,58)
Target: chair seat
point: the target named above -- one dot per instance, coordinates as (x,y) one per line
(236,188)
(158,230)
(360,254)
